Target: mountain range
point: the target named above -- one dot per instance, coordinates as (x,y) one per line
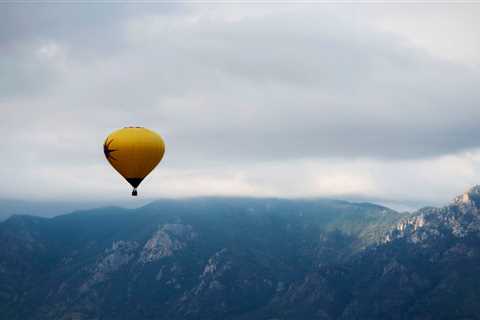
(244,258)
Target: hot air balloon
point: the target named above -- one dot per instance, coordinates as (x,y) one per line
(134,152)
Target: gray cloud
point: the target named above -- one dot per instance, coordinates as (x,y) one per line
(87,25)
(225,85)
(256,86)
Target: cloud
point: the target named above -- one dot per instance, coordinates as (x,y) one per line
(233,89)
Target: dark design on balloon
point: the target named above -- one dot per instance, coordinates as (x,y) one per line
(107,151)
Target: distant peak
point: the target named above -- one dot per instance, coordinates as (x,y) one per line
(468,196)
(474,190)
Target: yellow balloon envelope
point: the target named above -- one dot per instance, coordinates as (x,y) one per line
(134,152)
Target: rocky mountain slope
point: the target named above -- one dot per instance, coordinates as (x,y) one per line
(221,258)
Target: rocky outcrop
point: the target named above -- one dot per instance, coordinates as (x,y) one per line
(120,254)
(165,241)
(459,219)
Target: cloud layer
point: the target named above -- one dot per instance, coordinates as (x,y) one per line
(277,100)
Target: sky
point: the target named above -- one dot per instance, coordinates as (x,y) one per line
(375,101)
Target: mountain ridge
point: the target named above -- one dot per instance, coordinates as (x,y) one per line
(244,259)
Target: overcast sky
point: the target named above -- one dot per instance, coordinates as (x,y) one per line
(378,102)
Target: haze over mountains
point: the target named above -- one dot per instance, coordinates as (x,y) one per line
(241,258)
(52,208)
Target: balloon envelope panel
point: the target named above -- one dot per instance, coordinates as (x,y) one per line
(134,152)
